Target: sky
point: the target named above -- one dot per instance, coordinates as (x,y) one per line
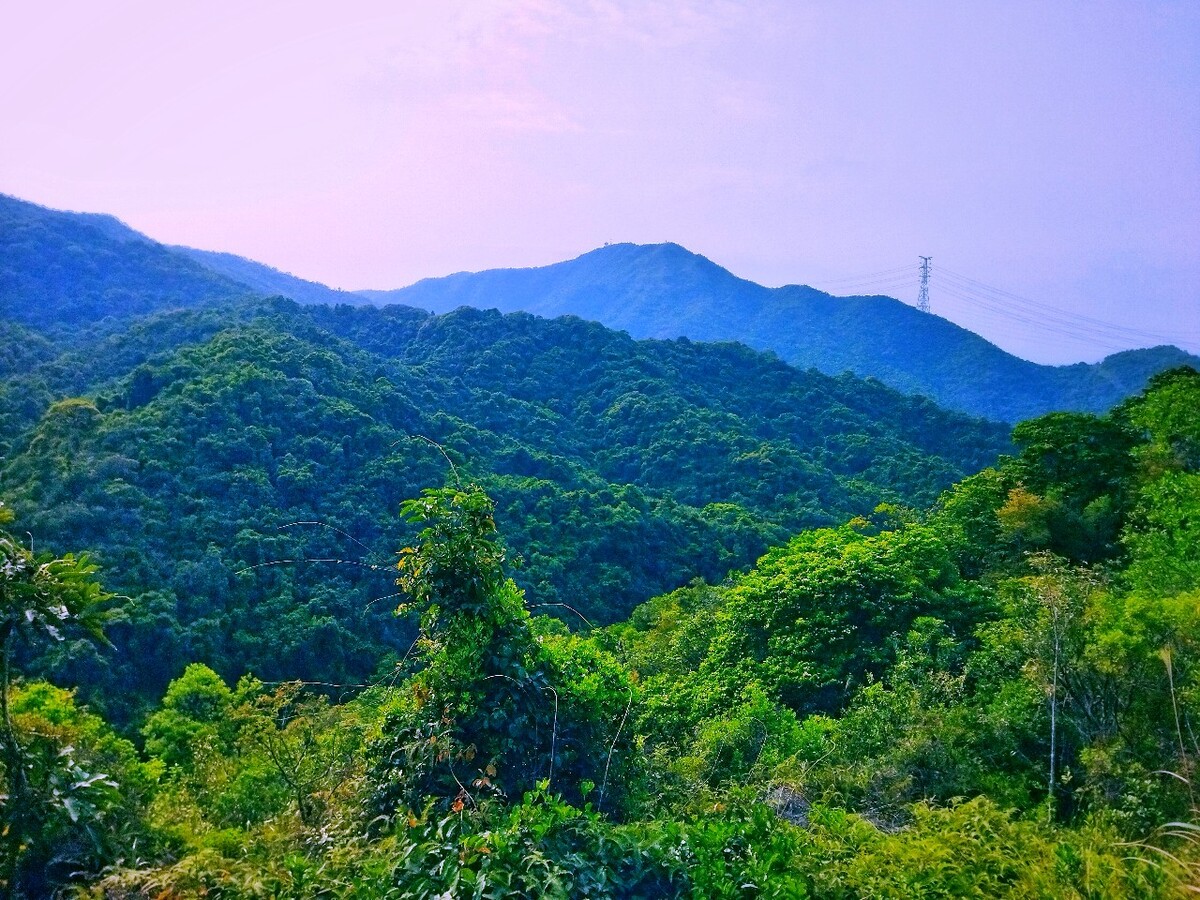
(1045,154)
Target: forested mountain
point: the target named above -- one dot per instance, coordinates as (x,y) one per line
(995,697)
(921,687)
(64,271)
(71,271)
(270,282)
(182,450)
(665,291)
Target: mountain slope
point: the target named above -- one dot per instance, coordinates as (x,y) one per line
(621,468)
(61,270)
(267,281)
(665,291)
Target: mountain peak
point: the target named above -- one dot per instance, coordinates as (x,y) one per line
(666,252)
(667,291)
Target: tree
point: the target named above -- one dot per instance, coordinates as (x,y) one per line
(242,755)
(309,745)
(40,596)
(496,708)
(475,704)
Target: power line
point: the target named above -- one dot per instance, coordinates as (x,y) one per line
(1030,315)
(1050,313)
(1030,323)
(901,277)
(870,276)
(851,290)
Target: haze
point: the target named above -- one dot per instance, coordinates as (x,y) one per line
(1048,150)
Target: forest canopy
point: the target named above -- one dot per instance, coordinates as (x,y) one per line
(993,696)
(236,472)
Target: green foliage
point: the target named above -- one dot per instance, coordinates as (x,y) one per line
(478,692)
(996,698)
(539,847)
(77,794)
(945,658)
(41,596)
(193,718)
(974,849)
(747,742)
(1164,537)
(1167,411)
(542,848)
(1074,474)
(458,566)
(967,517)
(494,708)
(190,445)
(46,790)
(824,612)
(309,747)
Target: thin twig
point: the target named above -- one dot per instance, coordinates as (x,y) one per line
(440,449)
(305,559)
(611,749)
(553,734)
(331,528)
(568,606)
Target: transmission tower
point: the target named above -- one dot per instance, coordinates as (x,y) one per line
(923,296)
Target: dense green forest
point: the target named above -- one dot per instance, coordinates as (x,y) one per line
(995,696)
(236,470)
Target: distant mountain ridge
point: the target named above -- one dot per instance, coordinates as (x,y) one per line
(666,291)
(268,281)
(60,269)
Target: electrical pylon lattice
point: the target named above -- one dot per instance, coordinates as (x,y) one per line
(923,296)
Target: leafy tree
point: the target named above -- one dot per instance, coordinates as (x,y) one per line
(495,709)
(236,757)
(825,612)
(1079,470)
(1168,412)
(41,596)
(88,789)
(310,745)
(195,716)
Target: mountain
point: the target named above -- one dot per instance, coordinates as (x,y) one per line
(269,282)
(64,271)
(60,271)
(185,450)
(665,291)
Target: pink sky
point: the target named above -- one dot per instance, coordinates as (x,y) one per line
(1051,150)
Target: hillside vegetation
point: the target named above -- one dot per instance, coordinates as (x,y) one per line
(665,291)
(340,601)
(205,457)
(995,697)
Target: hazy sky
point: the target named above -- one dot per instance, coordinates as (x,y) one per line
(1050,150)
